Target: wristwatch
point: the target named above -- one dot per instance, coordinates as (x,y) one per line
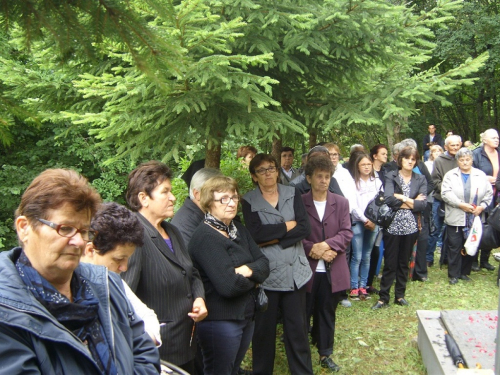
(404,199)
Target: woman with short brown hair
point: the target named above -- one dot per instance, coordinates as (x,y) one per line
(80,321)
(161,272)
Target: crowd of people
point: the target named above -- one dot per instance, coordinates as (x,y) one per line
(190,291)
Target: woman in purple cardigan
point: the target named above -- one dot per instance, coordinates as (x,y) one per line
(325,249)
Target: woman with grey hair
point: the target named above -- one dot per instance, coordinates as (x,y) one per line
(466,192)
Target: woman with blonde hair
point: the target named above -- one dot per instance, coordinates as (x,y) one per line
(487,159)
(435,151)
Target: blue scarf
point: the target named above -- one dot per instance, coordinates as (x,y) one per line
(80,316)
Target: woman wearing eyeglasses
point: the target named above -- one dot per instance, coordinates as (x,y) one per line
(231,266)
(365,232)
(276,217)
(60,316)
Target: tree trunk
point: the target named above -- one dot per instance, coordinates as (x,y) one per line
(495,111)
(276,152)
(313,138)
(212,154)
(480,110)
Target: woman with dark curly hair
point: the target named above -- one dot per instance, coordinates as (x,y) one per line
(119,232)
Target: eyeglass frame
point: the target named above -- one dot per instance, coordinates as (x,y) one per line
(234,198)
(263,171)
(91,234)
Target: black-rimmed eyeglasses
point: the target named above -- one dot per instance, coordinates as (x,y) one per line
(265,170)
(65,230)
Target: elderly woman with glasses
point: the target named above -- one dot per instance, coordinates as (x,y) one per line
(466,192)
(276,217)
(231,266)
(60,316)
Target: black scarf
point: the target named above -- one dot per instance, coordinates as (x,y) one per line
(230,229)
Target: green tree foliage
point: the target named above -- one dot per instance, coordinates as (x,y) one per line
(212,95)
(190,74)
(357,65)
(475,31)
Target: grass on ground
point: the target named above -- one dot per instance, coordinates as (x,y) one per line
(385,341)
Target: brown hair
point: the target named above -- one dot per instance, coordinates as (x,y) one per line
(357,173)
(375,149)
(329,146)
(406,152)
(219,184)
(145,178)
(245,150)
(258,160)
(318,162)
(53,188)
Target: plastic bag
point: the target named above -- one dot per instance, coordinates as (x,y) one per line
(475,234)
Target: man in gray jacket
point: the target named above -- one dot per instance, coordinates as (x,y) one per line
(443,164)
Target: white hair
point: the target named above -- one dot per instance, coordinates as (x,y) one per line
(408,142)
(453,137)
(200,177)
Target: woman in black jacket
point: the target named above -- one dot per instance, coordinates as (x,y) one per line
(231,266)
(405,191)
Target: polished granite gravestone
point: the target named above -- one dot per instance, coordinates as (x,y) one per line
(474,331)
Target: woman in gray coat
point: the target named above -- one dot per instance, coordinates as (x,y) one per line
(277,220)
(466,192)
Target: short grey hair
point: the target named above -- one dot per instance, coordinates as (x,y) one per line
(408,142)
(200,177)
(396,149)
(318,148)
(356,147)
(464,151)
(453,137)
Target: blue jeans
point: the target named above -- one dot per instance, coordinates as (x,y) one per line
(224,344)
(362,245)
(437,234)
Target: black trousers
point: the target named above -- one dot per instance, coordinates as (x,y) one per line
(458,264)
(298,352)
(397,253)
(483,258)
(373,265)
(322,306)
(420,270)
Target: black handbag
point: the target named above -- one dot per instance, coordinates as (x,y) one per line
(379,212)
(494,218)
(261,300)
